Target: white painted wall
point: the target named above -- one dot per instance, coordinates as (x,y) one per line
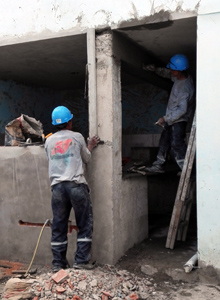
(27,20)
(208,138)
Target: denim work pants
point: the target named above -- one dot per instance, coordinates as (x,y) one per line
(172,138)
(65,196)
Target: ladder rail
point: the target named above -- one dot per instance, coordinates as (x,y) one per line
(182,187)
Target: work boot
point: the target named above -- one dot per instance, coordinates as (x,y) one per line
(56,269)
(155,169)
(84,266)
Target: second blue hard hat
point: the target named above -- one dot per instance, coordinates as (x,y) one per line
(178,62)
(61,115)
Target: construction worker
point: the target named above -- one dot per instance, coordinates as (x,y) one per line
(67,152)
(178,111)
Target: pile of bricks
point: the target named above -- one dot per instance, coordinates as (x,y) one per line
(102,283)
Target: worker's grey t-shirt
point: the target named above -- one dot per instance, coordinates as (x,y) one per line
(67,152)
(180,102)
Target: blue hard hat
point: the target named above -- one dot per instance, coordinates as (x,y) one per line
(61,115)
(178,62)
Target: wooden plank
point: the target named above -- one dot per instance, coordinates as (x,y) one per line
(182,199)
(185,213)
(182,188)
(188,212)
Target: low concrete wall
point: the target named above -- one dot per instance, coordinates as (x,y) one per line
(134,211)
(26,195)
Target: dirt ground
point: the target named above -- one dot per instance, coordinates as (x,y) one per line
(164,267)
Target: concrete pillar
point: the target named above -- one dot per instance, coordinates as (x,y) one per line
(92,81)
(119,206)
(208,141)
(105,166)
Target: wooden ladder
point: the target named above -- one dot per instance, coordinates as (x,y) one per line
(185,195)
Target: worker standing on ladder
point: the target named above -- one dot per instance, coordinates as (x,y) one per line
(178,112)
(67,152)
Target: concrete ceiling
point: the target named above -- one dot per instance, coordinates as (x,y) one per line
(60,63)
(164,39)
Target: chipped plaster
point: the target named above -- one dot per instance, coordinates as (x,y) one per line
(43,19)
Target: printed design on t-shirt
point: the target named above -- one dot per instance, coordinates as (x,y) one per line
(60,150)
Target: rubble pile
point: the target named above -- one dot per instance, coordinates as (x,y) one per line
(104,283)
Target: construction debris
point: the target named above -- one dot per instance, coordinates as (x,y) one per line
(102,283)
(135,167)
(190,264)
(16,289)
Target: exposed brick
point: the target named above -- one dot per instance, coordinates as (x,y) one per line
(134,296)
(60,289)
(60,276)
(75,297)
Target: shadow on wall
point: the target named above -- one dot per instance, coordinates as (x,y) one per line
(142,106)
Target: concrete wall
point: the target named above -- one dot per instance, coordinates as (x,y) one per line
(26,196)
(39,19)
(120,207)
(208,141)
(17,99)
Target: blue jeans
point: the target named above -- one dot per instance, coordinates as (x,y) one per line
(172,138)
(65,196)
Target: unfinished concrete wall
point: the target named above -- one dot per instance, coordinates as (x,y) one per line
(39,19)
(17,99)
(142,106)
(208,141)
(119,206)
(26,196)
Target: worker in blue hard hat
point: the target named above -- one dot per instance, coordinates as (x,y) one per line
(177,114)
(67,153)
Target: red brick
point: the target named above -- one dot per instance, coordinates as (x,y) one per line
(60,289)
(106,294)
(75,297)
(60,276)
(134,296)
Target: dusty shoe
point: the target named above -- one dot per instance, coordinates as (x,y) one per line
(155,169)
(56,269)
(84,266)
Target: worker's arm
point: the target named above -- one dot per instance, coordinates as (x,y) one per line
(163,72)
(86,150)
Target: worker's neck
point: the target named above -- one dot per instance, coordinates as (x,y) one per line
(181,76)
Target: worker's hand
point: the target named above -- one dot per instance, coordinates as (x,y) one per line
(161,121)
(149,67)
(93,142)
